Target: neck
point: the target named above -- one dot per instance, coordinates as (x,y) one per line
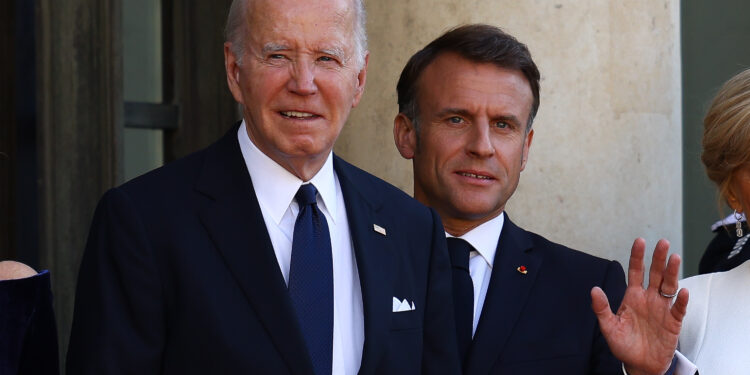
(458,226)
(455,222)
(304,169)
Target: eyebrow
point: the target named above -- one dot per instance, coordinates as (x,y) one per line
(274,47)
(338,52)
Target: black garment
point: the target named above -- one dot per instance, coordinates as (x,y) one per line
(28,335)
(180,276)
(537,320)
(719,255)
(463,293)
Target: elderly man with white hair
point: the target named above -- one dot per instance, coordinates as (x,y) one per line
(265,253)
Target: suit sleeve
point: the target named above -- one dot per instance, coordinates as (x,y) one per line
(440,354)
(118,322)
(28,335)
(613,284)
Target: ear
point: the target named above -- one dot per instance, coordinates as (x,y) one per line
(233,73)
(405,136)
(361,79)
(526,147)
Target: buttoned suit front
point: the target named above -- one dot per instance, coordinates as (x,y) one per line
(179,277)
(540,321)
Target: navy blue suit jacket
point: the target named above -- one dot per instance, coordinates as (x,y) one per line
(28,334)
(179,277)
(541,322)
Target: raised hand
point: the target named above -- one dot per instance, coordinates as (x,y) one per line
(644,332)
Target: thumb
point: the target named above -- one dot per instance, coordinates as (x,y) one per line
(600,305)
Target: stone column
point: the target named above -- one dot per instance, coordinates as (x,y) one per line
(79,122)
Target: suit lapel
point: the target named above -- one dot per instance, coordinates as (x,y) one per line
(374,261)
(506,297)
(236,226)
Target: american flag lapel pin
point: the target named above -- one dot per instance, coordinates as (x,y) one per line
(522,269)
(378,229)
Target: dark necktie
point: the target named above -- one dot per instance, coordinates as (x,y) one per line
(463,293)
(311,279)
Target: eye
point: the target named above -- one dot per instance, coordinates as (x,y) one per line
(455,120)
(328,60)
(502,125)
(276,56)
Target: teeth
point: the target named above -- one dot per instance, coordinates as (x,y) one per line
(297,114)
(472,175)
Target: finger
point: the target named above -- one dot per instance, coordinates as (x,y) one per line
(635,266)
(680,305)
(669,283)
(658,260)
(600,306)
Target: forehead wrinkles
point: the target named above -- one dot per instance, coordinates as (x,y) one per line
(333,34)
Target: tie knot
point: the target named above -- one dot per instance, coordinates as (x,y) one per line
(459,250)
(306,195)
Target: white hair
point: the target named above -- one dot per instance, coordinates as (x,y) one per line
(235,32)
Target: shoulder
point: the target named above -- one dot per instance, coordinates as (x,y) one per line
(404,217)
(721,285)
(173,188)
(715,311)
(182,172)
(717,256)
(221,158)
(571,271)
(378,191)
(566,256)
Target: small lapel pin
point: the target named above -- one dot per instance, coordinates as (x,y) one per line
(522,269)
(378,229)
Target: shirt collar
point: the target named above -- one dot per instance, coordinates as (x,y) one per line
(485,237)
(275,187)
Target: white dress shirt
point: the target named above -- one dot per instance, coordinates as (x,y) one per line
(275,188)
(484,240)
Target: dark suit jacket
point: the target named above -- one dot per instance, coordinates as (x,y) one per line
(28,335)
(541,322)
(717,258)
(179,277)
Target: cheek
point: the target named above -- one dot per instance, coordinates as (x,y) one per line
(339,88)
(264,82)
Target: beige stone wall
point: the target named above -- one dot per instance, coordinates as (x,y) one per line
(605,165)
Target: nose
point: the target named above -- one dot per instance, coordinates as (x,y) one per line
(302,80)
(479,143)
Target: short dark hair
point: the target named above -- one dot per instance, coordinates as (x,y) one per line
(476,42)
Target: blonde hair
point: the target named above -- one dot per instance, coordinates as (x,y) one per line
(726,133)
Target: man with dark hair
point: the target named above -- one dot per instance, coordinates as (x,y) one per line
(265,253)
(523,304)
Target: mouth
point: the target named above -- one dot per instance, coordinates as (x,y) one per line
(298,115)
(477,175)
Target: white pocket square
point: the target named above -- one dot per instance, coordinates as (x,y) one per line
(400,306)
